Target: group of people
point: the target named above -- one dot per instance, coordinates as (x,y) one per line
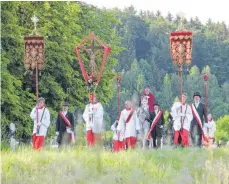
(147,123)
(41,117)
(187,122)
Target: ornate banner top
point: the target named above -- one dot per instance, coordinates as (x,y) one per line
(181,47)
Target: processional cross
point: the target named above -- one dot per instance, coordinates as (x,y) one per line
(35,20)
(91,52)
(92,77)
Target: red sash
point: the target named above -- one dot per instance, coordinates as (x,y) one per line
(65,119)
(68,125)
(129,117)
(155,120)
(197,117)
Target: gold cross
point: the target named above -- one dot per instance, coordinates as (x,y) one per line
(35,20)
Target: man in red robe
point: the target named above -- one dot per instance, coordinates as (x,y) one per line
(150,96)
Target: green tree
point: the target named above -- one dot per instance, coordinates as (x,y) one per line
(167,93)
(222,128)
(63,26)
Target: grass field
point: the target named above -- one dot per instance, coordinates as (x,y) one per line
(83,165)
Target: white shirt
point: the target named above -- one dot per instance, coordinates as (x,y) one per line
(64,112)
(197,104)
(131,127)
(115,135)
(93,116)
(45,122)
(209,129)
(176,113)
(156,112)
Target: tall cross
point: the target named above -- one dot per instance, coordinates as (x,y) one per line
(35,20)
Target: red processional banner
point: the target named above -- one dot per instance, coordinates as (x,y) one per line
(34,52)
(181,47)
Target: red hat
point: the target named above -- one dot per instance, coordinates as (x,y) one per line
(91,96)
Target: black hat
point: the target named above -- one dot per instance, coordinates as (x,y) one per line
(197,94)
(66,104)
(147,86)
(156,104)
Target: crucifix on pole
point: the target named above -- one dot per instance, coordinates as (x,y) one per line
(91,52)
(92,77)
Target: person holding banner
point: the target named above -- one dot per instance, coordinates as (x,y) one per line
(93,116)
(65,126)
(199,118)
(182,116)
(156,126)
(129,123)
(41,117)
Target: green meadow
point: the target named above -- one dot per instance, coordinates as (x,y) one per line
(78,165)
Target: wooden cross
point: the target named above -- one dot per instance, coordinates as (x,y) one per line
(91,52)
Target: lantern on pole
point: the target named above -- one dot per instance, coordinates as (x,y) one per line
(94,53)
(119,80)
(181,49)
(205,79)
(34,52)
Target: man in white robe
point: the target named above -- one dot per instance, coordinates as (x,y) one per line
(182,115)
(41,118)
(129,123)
(93,116)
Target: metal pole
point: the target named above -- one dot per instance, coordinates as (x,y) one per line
(206,95)
(36,73)
(118,100)
(36,82)
(181,81)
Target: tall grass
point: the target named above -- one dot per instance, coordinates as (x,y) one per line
(84,165)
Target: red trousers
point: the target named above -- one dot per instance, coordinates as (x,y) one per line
(38,142)
(93,138)
(130,142)
(184,136)
(118,145)
(90,138)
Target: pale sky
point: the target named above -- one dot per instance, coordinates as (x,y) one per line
(217,10)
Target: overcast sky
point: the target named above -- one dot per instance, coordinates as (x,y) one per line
(204,9)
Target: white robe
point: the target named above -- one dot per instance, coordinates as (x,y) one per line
(93,116)
(209,129)
(45,121)
(131,127)
(176,113)
(115,134)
